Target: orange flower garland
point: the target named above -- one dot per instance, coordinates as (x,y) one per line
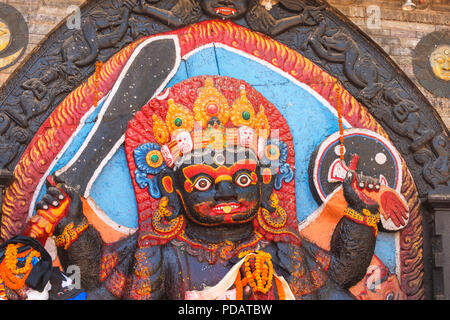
(9,270)
(2,290)
(261,279)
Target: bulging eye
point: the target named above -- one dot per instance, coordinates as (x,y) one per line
(243,180)
(202,184)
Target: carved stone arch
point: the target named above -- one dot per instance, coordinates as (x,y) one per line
(66,59)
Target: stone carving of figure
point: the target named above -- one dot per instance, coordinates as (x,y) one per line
(38,96)
(255,12)
(220,228)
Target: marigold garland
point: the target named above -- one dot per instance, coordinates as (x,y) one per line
(9,270)
(239,285)
(2,290)
(261,278)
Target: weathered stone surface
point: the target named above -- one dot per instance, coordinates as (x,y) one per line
(398,34)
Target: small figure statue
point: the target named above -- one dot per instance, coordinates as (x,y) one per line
(256,13)
(336,46)
(102,29)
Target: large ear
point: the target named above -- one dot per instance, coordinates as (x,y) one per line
(167,187)
(274,170)
(268,176)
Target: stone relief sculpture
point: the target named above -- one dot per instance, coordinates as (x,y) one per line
(113,24)
(338,47)
(216,168)
(219,209)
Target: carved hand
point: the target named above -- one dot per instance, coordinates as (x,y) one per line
(135,5)
(358,189)
(363,192)
(313,15)
(59,203)
(53,207)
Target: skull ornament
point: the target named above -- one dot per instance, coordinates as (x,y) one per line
(246,136)
(184,141)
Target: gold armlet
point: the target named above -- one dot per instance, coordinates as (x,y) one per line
(71,234)
(366,218)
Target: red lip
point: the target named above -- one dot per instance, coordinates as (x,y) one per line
(228,208)
(225,11)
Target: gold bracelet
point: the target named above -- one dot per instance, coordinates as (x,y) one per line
(366,218)
(71,234)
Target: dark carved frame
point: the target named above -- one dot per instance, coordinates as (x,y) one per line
(364,69)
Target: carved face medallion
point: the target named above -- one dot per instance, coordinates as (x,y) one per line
(13,35)
(220,194)
(225,9)
(5,36)
(440,62)
(431,62)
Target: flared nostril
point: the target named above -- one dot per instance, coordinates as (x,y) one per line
(225,191)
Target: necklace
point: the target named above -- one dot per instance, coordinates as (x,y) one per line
(222,251)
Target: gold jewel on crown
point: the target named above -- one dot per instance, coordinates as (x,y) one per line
(204,127)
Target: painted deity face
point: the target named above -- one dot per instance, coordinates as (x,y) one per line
(5,36)
(225,9)
(440,62)
(223,191)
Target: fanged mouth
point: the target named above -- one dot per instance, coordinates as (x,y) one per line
(225,11)
(227,208)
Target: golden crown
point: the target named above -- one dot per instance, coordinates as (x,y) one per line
(185,130)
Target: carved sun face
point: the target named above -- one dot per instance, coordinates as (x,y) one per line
(440,62)
(217,192)
(5,36)
(225,9)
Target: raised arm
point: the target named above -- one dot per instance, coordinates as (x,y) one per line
(60,215)
(261,20)
(181,14)
(353,242)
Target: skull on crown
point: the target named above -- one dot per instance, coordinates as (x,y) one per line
(246,136)
(184,142)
